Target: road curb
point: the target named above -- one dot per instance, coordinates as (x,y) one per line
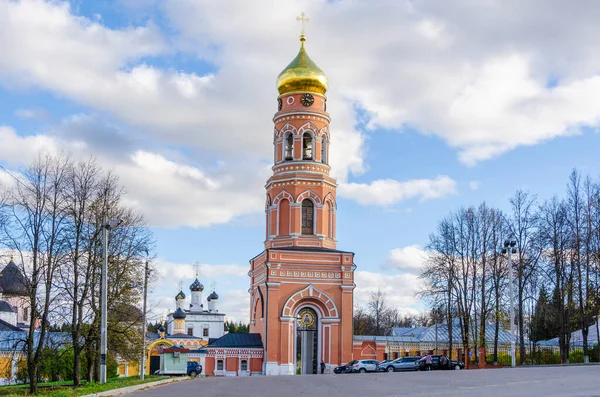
(557,365)
(134,388)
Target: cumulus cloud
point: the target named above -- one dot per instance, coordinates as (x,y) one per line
(410,259)
(455,72)
(386,192)
(474,185)
(169,192)
(400,289)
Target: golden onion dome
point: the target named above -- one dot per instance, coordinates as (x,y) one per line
(302,75)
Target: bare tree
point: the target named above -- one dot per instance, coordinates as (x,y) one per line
(80,191)
(379,311)
(555,234)
(522,225)
(36,230)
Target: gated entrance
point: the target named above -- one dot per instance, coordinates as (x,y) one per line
(307,342)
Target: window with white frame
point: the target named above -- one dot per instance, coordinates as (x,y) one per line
(244,365)
(219,365)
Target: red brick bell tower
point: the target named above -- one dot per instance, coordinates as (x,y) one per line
(301,285)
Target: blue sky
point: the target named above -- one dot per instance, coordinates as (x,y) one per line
(434,105)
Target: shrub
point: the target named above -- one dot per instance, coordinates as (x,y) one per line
(112,367)
(576,356)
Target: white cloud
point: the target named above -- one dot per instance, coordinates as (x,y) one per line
(410,259)
(452,71)
(455,72)
(175,272)
(474,185)
(400,289)
(387,192)
(17,150)
(169,193)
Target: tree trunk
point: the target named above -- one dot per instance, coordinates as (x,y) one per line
(521,328)
(497,325)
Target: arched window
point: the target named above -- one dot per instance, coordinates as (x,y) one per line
(307,146)
(324,149)
(289,147)
(284,218)
(308,217)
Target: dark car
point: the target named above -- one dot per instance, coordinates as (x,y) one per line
(345,368)
(439,362)
(193,369)
(401,364)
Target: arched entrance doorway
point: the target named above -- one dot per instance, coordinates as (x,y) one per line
(307,342)
(153,359)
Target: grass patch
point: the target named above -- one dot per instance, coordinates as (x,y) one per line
(66,389)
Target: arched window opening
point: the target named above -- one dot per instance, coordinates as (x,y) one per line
(307,146)
(324,150)
(289,147)
(284,218)
(308,216)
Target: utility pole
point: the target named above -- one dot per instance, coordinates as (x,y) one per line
(509,248)
(143,365)
(104,298)
(104,287)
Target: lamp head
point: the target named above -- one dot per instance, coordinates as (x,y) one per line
(114,223)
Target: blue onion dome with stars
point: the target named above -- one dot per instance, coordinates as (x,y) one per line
(212,296)
(180,296)
(179,314)
(196,286)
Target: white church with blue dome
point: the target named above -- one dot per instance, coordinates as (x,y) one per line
(201,319)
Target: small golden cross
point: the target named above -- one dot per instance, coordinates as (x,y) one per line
(302,18)
(197,265)
(213,285)
(181,285)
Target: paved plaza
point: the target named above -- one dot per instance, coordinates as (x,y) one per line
(542,381)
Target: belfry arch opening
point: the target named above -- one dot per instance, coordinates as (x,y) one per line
(288,147)
(307,146)
(308,216)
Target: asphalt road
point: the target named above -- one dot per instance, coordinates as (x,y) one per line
(542,381)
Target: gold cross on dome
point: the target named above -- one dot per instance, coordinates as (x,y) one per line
(303,18)
(181,285)
(213,285)
(197,266)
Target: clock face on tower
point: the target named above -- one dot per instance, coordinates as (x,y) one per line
(307,99)
(279,104)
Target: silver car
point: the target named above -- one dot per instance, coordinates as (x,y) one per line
(363,366)
(401,364)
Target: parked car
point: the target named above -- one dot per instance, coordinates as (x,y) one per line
(363,366)
(344,368)
(401,364)
(436,365)
(193,369)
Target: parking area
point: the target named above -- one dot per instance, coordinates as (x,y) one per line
(544,381)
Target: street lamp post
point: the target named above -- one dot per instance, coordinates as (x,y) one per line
(106,226)
(509,248)
(143,364)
